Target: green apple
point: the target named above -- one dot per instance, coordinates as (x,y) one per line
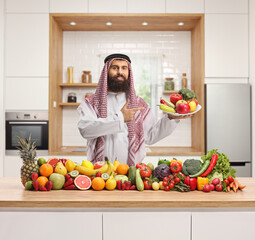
(180,101)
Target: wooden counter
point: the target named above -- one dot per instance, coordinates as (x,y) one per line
(12,194)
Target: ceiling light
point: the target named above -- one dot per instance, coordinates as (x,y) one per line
(73,23)
(108,23)
(144,23)
(180,23)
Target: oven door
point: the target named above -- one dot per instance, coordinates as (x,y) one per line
(37,129)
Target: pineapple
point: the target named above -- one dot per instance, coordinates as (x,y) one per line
(27,153)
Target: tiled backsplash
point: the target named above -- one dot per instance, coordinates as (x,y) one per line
(154,55)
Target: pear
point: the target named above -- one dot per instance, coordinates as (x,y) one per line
(61,169)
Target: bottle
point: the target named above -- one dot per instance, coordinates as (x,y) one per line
(70,74)
(86,77)
(184,80)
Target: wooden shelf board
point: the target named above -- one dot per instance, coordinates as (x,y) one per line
(69,104)
(78,84)
(170,92)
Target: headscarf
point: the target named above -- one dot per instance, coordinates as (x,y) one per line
(98,101)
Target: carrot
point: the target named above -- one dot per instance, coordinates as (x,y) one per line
(228,187)
(231,184)
(240,186)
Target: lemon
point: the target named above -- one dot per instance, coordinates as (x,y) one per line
(87,164)
(70,166)
(116,163)
(110,183)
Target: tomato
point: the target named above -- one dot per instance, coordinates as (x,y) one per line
(145,172)
(167,188)
(177,180)
(230,179)
(226,181)
(195,100)
(175,167)
(165,183)
(172,181)
(165,179)
(171,185)
(174,98)
(140,165)
(147,184)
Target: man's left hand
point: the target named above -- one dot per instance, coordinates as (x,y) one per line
(179,117)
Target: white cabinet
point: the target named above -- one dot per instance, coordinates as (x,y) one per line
(223,225)
(27,45)
(26,93)
(68,6)
(146,6)
(12,165)
(226,6)
(146,225)
(184,6)
(50,225)
(33,6)
(226,45)
(110,6)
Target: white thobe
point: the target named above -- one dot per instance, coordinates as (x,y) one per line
(115,130)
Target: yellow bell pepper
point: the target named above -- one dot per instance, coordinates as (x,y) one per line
(174,160)
(201,181)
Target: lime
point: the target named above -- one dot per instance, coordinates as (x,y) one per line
(29,185)
(87,164)
(41,161)
(105,176)
(74,173)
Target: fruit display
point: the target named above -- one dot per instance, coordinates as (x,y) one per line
(183,102)
(210,173)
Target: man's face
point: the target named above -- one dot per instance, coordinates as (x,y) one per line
(118,76)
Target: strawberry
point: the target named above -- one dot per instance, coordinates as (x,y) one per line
(98,174)
(119,184)
(68,182)
(70,187)
(36,185)
(123,186)
(67,176)
(42,188)
(133,187)
(49,185)
(34,176)
(128,185)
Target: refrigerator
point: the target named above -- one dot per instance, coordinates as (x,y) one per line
(228,123)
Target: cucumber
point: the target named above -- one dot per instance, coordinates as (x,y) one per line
(139,181)
(202,170)
(131,174)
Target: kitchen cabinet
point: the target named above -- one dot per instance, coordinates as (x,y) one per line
(226,45)
(12,165)
(184,6)
(223,225)
(145,225)
(27,45)
(146,6)
(226,6)
(68,6)
(27,6)
(110,6)
(26,93)
(51,225)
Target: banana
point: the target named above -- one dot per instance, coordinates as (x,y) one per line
(110,168)
(89,172)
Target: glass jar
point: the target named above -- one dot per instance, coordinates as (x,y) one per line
(86,77)
(169,84)
(71,97)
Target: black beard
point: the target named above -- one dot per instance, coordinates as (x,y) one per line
(116,85)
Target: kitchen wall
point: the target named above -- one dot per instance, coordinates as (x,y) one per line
(229,41)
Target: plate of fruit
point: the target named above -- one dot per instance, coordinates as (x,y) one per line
(181,104)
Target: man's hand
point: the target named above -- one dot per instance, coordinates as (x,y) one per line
(129,114)
(178,117)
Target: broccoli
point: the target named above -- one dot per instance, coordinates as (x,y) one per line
(191,166)
(187,94)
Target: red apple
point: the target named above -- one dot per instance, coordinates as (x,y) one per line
(98,164)
(183,108)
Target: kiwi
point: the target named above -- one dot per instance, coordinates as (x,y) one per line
(105,176)
(74,173)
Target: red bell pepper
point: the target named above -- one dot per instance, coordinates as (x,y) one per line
(211,166)
(174,98)
(192,182)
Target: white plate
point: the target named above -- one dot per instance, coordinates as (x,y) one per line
(178,114)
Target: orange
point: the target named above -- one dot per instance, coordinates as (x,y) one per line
(122,169)
(98,183)
(46,170)
(42,180)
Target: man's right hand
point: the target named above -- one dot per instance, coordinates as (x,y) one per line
(129,114)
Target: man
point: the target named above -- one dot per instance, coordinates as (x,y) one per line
(115,121)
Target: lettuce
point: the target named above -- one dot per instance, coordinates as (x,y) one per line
(222,166)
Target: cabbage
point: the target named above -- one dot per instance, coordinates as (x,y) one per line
(216,175)
(161,171)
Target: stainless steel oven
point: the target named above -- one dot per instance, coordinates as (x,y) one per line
(24,124)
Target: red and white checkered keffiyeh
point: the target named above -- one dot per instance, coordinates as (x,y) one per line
(135,127)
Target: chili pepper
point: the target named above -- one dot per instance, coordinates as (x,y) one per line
(174,160)
(211,166)
(119,184)
(192,182)
(202,170)
(201,182)
(68,182)
(70,187)
(162,101)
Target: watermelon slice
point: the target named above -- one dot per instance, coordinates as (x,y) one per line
(53,162)
(82,182)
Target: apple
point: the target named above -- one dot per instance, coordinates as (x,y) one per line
(183,108)
(98,164)
(180,101)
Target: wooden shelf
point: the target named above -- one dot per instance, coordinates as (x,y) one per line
(170,92)
(78,84)
(69,104)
